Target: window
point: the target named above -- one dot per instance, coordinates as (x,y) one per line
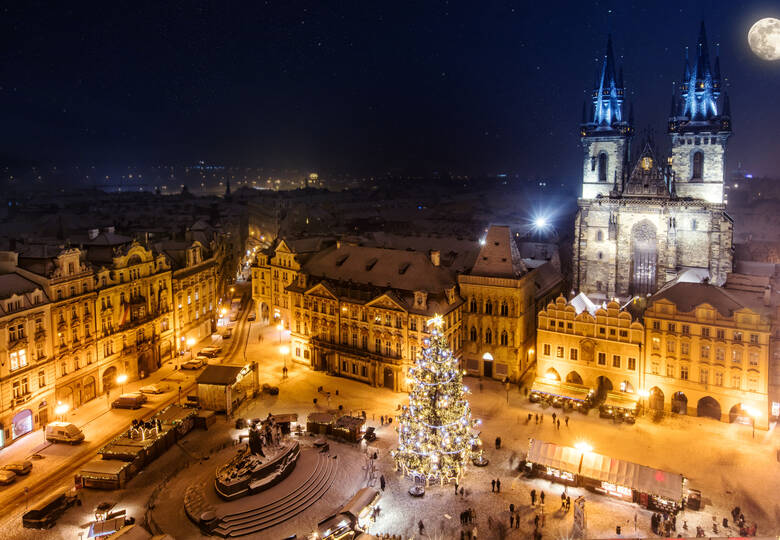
(705,353)
(354,341)
(754,339)
(721,334)
(632,364)
(752,384)
(736,356)
(64,368)
(599,236)
(686,329)
(753,359)
(364,342)
(602,167)
(488,336)
(18,359)
(546,348)
(387,348)
(573,354)
(504,309)
(504,338)
(698,165)
(671,346)
(363,371)
(736,381)
(398,350)
(720,355)
(684,348)
(737,336)
(41,379)
(569,326)
(343,365)
(616,360)
(704,376)
(705,332)
(672,327)
(654,367)
(719,378)
(693,224)
(413,324)
(602,359)
(599,285)
(489,307)
(602,331)
(473,306)
(670,370)
(559,352)
(611,331)
(354,369)
(473,334)
(656,325)
(624,333)
(684,373)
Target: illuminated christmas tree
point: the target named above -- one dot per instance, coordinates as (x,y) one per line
(436,435)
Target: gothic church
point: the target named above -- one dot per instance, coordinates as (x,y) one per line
(643,219)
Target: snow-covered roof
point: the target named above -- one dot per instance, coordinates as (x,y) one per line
(582,303)
(499,256)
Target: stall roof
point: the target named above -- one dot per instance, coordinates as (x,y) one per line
(360,500)
(350,422)
(284,418)
(320,418)
(174,413)
(219,375)
(662,483)
(104,466)
(563,458)
(557,388)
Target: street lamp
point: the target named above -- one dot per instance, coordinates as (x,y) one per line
(280,327)
(584,448)
(61,410)
(121,380)
(644,394)
(284,350)
(753,413)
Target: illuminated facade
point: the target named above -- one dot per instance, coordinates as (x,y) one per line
(361,312)
(500,294)
(133,310)
(641,224)
(598,347)
(707,352)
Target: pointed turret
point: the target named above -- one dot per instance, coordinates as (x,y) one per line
(608,95)
(703,55)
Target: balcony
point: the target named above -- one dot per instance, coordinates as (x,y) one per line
(20,400)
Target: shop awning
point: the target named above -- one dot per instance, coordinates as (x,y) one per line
(607,469)
(622,400)
(563,389)
(662,483)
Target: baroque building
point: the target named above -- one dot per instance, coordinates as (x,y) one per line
(362,312)
(500,295)
(643,219)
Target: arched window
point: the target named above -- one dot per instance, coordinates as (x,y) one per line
(698,166)
(489,307)
(488,336)
(473,334)
(599,236)
(602,167)
(504,338)
(504,309)
(473,306)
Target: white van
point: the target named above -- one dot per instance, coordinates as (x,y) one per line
(64,432)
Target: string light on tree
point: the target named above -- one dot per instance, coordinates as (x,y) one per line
(436,434)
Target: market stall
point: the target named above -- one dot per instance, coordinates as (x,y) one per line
(105,474)
(557,463)
(348,428)
(561,394)
(319,423)
(223,387)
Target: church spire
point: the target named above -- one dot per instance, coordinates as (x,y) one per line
(608,95)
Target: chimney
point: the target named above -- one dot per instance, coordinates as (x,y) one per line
(92,233)
(435,257)
(9,260)
(768,295)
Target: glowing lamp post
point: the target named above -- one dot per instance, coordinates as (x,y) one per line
(644,394)
(584,448)
(280,327)
(121,380)
(753,413)
(61,410)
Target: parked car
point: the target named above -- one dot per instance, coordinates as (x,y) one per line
(156,388)
(606,411)
(129,401)
(252,316)
(64,432)
(272,390)
(7,477)
(45,515)
(195,363)
(211,352)
(227,334)
(370,434)
(21,468)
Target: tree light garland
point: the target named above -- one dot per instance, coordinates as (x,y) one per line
(436,434)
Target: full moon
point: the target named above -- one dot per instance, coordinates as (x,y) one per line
(764,39)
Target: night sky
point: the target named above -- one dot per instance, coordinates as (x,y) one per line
(361,87)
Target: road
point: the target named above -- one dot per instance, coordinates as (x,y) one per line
(54,465)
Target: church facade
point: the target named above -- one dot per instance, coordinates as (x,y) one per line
(644,219)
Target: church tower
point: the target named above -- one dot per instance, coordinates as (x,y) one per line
(605,132)
(699,128)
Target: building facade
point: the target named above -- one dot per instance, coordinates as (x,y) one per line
(499,315)
(134,312)
(27,377)
(597,347)
(643,219)
(707,353)
(362,312)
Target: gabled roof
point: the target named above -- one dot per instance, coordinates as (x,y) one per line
(499,256)
(219,375)
(687,296)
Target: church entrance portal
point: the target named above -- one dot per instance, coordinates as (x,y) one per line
(644,258)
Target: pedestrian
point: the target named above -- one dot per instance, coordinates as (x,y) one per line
(461,492)
(511,520)
(533,497)
(568,503)
(456,489)
(541,497)
(498,443)
(474,533)
(541,418)
(421,527)
(563,500)
(567,421)
(536,418)
(529,419)
(554,415)
(498,485)
(558,425)
(511,508)
(382,482)
(382,420)
(517,520)
(472,515)
(462,519)
(462,534)
(536,521)
(493,485)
